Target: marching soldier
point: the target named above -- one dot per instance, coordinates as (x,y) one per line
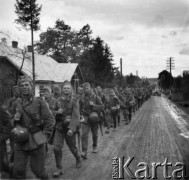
(79,92)
(103,99)
(121,101)
(56,92)
(68,107)
(90,105)
(128,104)
(49,99)
(10,107)
(109,121)
(112,107)
(33,127)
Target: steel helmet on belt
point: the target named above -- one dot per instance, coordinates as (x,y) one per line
(93,117)
(66,121)
(21,134)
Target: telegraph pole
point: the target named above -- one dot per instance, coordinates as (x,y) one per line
(170,66)
(32,38)
(121,70)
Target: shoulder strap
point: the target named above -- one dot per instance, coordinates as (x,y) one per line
(27,114)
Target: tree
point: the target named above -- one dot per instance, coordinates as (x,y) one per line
(132,80)
(57,41)
(185,85)
(93,55)
(165,79)
(98,59)
(85,38)
(28,12)
(64,44)
(178,82)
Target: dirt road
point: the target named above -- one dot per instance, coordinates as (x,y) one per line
(157,131)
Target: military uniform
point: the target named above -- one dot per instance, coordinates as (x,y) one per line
(37,118)
(86,110)
(103,113)
(121,102)
(56,92)
(111,108)
(109,120)
(70,107)
(129,105)
(51,103)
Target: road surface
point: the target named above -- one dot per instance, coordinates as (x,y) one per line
(158,130)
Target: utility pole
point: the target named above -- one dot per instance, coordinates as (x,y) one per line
(33,60)
(121,70)
(170,66)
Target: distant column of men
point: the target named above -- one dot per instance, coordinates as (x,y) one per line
(34,123)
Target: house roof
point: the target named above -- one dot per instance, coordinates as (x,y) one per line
(46,68)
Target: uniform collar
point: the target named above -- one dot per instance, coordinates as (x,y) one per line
(27,101)
(88,95)
(66,97)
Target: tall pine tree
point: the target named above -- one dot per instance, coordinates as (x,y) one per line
(97,63)
(28,12)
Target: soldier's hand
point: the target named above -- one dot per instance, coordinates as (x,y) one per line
(91,103)
(60,111)
(70,132)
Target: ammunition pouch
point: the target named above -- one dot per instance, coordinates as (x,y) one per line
(34,129)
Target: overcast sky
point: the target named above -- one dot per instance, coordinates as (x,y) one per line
(144,33)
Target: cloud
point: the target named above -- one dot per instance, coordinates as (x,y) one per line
(120,38)
(185,51)
(164,36)
(151,13)
(173,33)
(142,32)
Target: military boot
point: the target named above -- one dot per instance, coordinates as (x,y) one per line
(57,173)
(95,150)
(84,155)
(78,162)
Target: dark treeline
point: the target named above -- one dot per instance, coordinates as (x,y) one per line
(179,84)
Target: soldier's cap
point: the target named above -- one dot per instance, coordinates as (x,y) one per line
(111,90)
(80,87)
(66,82)
(86,85)
(99,87)
(56,88)
(15,88)
(24,78)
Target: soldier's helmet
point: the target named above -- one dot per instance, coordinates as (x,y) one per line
(21,134)
(93,117)
(86,85)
